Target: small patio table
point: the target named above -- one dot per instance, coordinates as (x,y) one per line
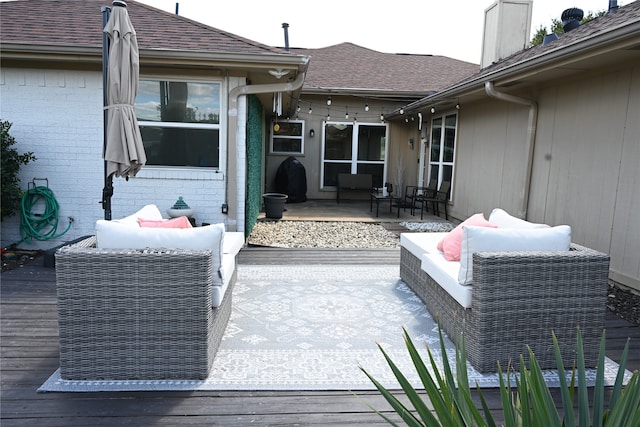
(377,197)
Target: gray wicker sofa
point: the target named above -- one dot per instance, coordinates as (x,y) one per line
(516,300)
(142,314)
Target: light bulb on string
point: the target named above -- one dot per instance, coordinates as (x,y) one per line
(366,107)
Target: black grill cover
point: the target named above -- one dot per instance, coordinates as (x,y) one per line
(291,179)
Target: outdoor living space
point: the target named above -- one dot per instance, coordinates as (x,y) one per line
(30,351)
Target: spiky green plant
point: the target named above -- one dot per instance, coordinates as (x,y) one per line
(529,404)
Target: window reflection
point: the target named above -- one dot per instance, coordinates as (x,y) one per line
(186,102)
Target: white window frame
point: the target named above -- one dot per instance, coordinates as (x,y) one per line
(440,162)
(354,162)
(300,137)
(186,172)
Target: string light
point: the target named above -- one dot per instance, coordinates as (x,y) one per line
(433,110)
(329,101)
(366,107)
(346,115)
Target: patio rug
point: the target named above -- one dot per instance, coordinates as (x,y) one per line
(310,327)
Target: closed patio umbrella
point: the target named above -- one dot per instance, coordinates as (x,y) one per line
(124,152)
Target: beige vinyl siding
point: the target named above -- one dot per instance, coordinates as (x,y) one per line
(586,165)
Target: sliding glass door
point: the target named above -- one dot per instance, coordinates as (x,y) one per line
(353,148)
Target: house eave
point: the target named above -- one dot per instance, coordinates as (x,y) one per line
(153,57)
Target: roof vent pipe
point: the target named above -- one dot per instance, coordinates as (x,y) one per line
(286,36)
(177,8)
(613,5)
(571,19)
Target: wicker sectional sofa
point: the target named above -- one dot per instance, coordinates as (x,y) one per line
(514,301)
(142,313)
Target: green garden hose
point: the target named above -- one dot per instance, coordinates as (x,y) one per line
(41,225)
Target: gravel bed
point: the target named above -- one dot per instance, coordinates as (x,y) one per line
(322,234)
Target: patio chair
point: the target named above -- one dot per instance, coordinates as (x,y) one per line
(423,193)
(441,197)
(406,201)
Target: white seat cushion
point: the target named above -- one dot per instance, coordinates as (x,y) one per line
(420,243)
(446,274)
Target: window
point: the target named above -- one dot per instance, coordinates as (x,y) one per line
(353,148)
(442,154)
(179,122)
(288,139)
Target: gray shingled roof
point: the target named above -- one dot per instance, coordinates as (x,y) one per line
(77,23)
(348,66)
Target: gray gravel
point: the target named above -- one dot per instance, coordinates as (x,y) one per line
(322,234)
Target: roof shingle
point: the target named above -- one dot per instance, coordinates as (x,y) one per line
(78,23)
(349,66)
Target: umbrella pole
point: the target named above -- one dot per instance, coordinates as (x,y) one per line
(107,191)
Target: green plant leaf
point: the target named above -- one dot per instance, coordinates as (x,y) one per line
(567,396)
(544,407)
(617,387)
(598,391)
(397,406)
(523,395)
(583,397)
(430,387)
(507,400)
(626,411)
(485,408)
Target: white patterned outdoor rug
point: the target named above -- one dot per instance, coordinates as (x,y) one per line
(309,327)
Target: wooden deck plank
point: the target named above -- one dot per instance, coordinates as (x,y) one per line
(29,350)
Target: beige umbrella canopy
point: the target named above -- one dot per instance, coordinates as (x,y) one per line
(123,151)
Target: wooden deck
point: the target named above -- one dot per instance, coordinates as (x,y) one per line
(29,350)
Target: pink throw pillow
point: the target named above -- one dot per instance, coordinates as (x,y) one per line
(452,242)
(179,222)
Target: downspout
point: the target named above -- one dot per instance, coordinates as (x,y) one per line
(531,138)
(238,108)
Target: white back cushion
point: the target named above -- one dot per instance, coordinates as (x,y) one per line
(483,239)
(502,219)
(147,212)
(114,235)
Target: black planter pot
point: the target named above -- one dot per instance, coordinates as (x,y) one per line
(274,204)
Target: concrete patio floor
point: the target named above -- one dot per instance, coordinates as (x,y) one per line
(351,210)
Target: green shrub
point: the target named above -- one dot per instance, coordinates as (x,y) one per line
(530,404)
(11,163)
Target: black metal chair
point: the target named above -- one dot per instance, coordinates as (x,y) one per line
(423,193)
(440,198)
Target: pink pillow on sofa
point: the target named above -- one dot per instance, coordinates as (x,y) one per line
(452,242)
(179,222)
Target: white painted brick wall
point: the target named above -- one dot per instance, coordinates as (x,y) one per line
(58,115)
